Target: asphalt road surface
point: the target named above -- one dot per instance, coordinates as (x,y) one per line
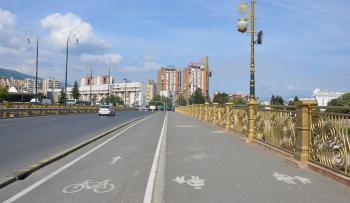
(24,141)
(203,164)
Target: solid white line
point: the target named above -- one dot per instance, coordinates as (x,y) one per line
(152,176)
(48,177)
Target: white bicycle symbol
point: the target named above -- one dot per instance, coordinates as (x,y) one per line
(98,187)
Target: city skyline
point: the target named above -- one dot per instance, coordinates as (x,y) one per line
(304,49)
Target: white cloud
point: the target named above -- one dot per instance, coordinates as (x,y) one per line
(101,59)
(7,20)
(148,66)
(290,87)
(60,26)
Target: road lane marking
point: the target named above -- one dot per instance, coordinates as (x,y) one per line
(290,179)
(115,159)
(97,187)
(51,175)
(152,176)
(194,181)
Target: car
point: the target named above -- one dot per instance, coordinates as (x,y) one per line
(106,110)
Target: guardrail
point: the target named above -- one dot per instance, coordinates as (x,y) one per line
(320,135)
(11,110)
(23,112)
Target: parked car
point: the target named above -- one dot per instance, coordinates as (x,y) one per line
(106,110)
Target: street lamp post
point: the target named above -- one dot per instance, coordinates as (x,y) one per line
(75,34)
(28,38)
(125,93)
(242,26)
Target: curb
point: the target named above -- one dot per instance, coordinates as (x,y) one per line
(25,172)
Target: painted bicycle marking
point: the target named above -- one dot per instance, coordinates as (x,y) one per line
(194,181)
(98,187)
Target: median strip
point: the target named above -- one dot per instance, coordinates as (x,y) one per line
(23,173)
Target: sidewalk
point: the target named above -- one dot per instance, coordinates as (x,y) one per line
(206,164)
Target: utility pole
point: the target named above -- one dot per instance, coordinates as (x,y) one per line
(109,83)
(91,80)
(36,69)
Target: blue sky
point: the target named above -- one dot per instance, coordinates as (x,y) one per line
(306,43)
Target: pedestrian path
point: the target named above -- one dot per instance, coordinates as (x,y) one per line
(206,164)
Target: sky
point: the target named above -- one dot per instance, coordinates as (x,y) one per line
(306,43)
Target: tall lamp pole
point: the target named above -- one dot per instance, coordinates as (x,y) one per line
(76,35)
(242,25)
(125,92)
(28,38)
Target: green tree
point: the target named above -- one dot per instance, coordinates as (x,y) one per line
(197,97)
(159,100)
(292,102)
(276,100)
(75,91)
(239,101)
(62,97)
(112,99)
(221,98)
(3,93)
(181,101)
(343,101)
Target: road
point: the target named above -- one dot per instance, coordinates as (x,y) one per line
(24,141)
(202,164)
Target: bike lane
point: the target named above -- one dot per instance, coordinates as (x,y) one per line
(117,171)
(206,164)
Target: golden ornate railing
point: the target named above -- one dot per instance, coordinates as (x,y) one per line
(308,133)
(330,139)
(275,125)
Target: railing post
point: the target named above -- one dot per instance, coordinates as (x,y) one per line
(252,104)
(201,111)
(206,108)
(215,114)
(192,110)
(303,129)
(228,116)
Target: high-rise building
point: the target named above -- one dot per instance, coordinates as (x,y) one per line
(151,90)
(30,85)
(196,75)
(169,81)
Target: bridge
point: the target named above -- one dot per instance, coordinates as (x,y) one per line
(200,153)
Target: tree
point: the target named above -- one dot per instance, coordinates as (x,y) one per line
(113,99)
(3,93)
(197,97)
(62,97)
(221,98)
(292,102)
(276,100)
(75,91)
(343,100)
(159,100)
(239,101)
(180,101)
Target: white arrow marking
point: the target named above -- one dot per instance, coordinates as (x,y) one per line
(115,159)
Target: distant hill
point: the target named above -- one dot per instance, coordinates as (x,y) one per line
(15,74)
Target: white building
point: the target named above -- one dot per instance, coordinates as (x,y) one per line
(29,84)
(133,93)
(323,97)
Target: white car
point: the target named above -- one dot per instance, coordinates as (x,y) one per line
(106,110)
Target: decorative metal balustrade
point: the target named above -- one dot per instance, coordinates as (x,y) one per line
(325,133)
(276,125)
(330,140)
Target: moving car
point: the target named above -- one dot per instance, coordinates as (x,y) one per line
(106,110)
